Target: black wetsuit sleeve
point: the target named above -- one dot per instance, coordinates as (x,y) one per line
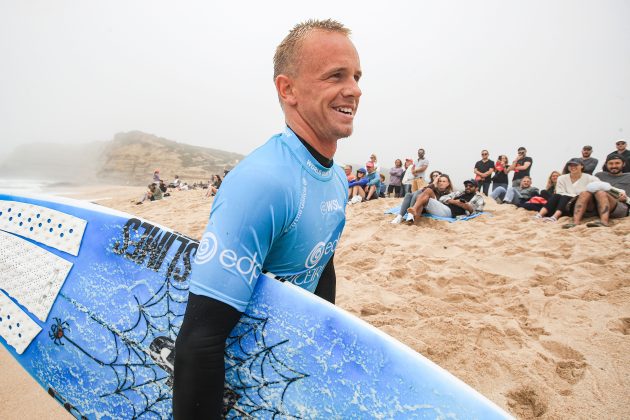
(199,358)
(327,286)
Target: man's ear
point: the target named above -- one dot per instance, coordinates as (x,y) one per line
(286,89)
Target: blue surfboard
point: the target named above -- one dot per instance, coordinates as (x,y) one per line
(92,300)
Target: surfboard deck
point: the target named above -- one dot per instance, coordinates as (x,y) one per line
(99,296)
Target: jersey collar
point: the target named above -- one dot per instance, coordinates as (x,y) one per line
(307,160)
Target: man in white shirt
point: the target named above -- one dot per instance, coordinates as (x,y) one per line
(420,167)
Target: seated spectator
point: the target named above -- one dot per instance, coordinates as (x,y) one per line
(568,187)
(589,163)
(515,195)
(597,199)
(374,182)
(434,177)
(175,183)
(163,186)
(418,199)
(382,189)
(625,154)
(349,175)
(214,186)
(483,171)
(395,179)
(537,202)
(156,176)
(153,193)
(450,205)
(356,187)
(501,170)
(407,179)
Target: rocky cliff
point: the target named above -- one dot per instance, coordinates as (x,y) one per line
(129,159)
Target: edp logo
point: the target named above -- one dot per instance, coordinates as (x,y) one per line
(228,258)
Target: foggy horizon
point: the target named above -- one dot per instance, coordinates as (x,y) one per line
(451,77)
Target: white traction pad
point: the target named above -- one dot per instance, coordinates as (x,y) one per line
(50,227)
(15,325)
(30,274)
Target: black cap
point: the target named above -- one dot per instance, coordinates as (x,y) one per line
(575,161)
(614,156)
(471,181)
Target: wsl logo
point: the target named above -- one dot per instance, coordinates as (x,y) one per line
(330,206)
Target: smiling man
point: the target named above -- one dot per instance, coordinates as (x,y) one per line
(291,227)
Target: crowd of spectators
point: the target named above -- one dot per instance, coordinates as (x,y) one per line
(573,192)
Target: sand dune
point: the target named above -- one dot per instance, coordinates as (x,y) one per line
(535,317)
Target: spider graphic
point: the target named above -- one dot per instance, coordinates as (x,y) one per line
(57,331)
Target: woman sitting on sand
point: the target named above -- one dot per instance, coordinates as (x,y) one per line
(356,187)
(440,185)
(214,186)
(569,185)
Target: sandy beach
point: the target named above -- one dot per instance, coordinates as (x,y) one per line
(535,317)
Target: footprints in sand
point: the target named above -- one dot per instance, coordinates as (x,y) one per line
(621,325)
(572,366)
(527,402)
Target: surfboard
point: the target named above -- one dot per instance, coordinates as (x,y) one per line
(92,300)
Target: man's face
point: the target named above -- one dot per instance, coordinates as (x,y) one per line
(348,170)
(420,153)
(614,166)
(621,146)
(522,152)
(586,153)
(325,86)
(484,154)
(469,188)
(526,183)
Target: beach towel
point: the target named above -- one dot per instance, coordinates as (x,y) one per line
(396,210)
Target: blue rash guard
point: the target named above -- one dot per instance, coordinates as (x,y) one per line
(278,211)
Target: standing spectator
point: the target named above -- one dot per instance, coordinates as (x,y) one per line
(500,178)
(395,179)
(349,175)
(623,152)
(589,163)
(483,170)
(521,166)
(408,177)
(418,170)
(373,159)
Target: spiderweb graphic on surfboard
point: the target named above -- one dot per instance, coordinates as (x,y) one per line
(141,358)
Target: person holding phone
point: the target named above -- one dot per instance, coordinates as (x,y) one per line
(521,166)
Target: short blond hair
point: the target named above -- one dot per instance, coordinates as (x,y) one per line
(286,58)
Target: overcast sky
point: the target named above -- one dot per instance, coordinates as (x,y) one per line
(452,77)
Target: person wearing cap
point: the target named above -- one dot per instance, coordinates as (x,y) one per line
(483,170)
(568,187)
(467,202)
(598,201)
(374,182)
(589,163)
(521,166)
(407,179)
(515,195)
(625,153)
(356,192)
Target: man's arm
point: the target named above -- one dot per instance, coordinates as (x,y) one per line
(327,286)
(199,358)
(420,169)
